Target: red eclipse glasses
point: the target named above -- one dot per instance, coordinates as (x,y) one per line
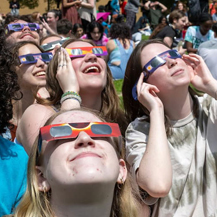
(72,130)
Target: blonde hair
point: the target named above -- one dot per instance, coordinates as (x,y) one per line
(37,203)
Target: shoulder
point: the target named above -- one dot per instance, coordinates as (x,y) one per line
(110,45)
(12,151)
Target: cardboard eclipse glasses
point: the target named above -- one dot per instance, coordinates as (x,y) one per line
(72,130)
(15,27)
(33,58)
(82,51)
(155,63)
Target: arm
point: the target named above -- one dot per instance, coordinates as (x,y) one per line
(69,4)
(190,48)
(89,5)
(47,27)
(146,5)
(156,159)
(163,7)
(168,41)
(67,79)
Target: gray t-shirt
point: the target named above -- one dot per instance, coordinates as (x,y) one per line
(193,149)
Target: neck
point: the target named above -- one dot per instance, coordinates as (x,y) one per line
(179,105)
(91,101)
(82,201)
(19,106)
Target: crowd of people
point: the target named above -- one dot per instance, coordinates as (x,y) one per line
(70,145)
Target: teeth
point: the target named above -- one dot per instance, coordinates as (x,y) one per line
(91,68)
(40,73)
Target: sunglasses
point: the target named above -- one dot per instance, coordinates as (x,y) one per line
(33,58)
(51,45)
(82,51)
(15,27)
(155,63)
(72,130)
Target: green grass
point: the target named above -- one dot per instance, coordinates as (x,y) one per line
(118,86)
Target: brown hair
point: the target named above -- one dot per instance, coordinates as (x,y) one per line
(134,109)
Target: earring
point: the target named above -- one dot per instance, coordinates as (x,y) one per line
(119,185)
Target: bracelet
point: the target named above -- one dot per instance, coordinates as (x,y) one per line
(78,98)
(70,93)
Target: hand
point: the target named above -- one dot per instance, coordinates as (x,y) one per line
(65,73)
(201,77)
(146,94)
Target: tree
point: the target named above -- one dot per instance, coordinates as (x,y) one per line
(28,3)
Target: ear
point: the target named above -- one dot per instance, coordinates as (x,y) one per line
(122,172)
(43,184)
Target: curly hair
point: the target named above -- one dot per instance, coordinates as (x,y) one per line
(8,84)
(121,31)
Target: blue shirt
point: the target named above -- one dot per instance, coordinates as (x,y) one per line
(13,175)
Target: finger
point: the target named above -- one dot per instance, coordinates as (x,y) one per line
(140,82)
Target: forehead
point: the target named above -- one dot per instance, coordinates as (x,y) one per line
(28,49)
(50,39)
(75,117)
(50,14)
(19,21)
(151,51)
(79,44)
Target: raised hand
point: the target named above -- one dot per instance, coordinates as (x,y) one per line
(65,73)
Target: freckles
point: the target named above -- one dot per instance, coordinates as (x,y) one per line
(99,170)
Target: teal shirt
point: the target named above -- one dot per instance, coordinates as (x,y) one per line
(13,175)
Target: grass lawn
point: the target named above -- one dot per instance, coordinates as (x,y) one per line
(118,86)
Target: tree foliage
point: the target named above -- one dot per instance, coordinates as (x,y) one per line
(31,4)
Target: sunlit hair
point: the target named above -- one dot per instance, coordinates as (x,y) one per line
(37,203)
(110,100)
(134,109)
(49,36)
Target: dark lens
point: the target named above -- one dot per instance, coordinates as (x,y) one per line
(45,57)
(32,25)
(16,26)
(60,131)
(30,58)
(172,53)
(101,129)
(76,52)
(46,47)
(154,62)
(97,50)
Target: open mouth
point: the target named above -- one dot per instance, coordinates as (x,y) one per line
(92,69)
(38,74)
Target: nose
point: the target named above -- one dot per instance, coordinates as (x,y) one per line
(26,28)
(171,62)
(90,57)
(84,140)
(40,63)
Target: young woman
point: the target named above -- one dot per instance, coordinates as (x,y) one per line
(171,144)
(167,33)
(196,35)
(31,70)
(70,10)
(67,78)
(119,47)
(78,30)
(95,32)
(79,174)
